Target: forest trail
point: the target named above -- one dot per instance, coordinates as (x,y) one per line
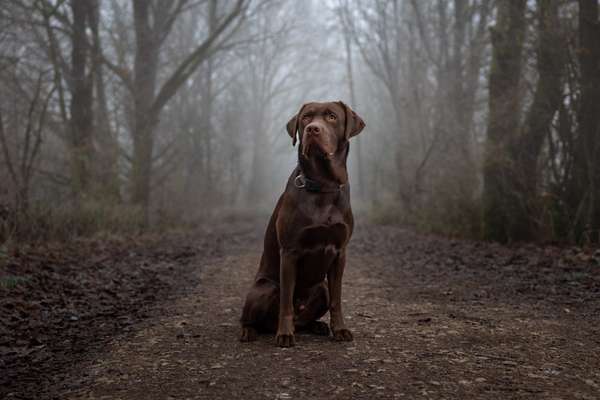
(431,317)
(421,331)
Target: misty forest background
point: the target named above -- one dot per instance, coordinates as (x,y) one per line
(483,116)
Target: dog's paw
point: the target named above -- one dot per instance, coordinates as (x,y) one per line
(319,328)
(248,334)
(342,335)
(285,340)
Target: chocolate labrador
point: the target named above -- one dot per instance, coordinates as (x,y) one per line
(307,234)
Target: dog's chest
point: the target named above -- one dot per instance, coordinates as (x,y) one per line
(321,236)
(326,227)
(321,245)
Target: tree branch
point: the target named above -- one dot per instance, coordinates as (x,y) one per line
(193,61)
(6,152)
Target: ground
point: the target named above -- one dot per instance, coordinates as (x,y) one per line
(433,318)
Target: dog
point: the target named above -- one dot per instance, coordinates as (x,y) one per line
(307,234)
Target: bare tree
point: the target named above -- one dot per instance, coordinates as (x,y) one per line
(348,47)
(528,145)
(81,78)
(21,138)
(585,185)
(153,21)
(503,123)
(428,56)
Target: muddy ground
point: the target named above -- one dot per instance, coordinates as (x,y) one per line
(156,317)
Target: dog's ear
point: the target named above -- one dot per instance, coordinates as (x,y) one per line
(354,123)
(292,126)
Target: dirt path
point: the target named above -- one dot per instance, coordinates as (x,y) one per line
(432,318)
(425,327)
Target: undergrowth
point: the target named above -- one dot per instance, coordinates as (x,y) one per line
(456,220)
(64,222)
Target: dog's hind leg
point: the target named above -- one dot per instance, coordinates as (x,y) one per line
(311,309)
(260,310)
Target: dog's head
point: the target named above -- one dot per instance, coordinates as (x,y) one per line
(324,128)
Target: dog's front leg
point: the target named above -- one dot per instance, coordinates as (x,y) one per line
(287,280)
(334,281)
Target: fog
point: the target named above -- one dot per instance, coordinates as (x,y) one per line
(480,114)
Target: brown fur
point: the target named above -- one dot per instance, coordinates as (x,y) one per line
(306,238)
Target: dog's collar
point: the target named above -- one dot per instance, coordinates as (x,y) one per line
(310,185)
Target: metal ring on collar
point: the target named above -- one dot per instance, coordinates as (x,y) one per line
(298,183)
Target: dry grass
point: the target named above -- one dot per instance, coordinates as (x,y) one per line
(65,222)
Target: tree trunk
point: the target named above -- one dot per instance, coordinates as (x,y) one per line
(207,104)
(473,64)
(106,168)
(504,110)
(546,102)
(81,102)
(462,118)
(256,185)
(585,188)
(145,69)
(153,21)
(360,169)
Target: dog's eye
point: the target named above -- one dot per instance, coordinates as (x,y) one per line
(305,117)
(331,117)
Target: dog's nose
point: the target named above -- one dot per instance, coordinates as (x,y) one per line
(313,130)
